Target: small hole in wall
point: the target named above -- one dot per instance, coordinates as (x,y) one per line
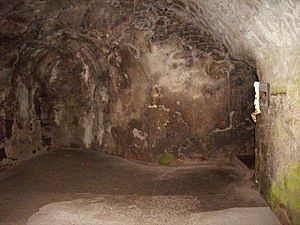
(2,154)
(264,94)
(248,160)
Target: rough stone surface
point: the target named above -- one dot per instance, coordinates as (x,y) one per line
(87,211)
(90,187)
(155,77)
(278,157)
(134,79)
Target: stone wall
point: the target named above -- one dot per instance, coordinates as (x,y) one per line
(58,93)
(266,34)
(131,78)
(183,103)
(154,77)
(278,151)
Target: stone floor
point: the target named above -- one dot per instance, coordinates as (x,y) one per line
(71,187)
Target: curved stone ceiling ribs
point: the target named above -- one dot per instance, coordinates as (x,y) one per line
(263,33)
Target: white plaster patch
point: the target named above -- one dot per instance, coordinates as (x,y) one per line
(104,94)
(218,130)
(88,125)
(139,134)
(22,98)
(58,111)
(100,132)
(168,65)
(54,73)
(86,73)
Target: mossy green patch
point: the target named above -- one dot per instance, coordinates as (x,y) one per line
(279,90)
(283,128)
(289,120)
(285,190)
(277,195)
(166,159)
(293,90)
(277,128)
(297,51)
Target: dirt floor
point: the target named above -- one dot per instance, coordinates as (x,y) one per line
(72,187)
